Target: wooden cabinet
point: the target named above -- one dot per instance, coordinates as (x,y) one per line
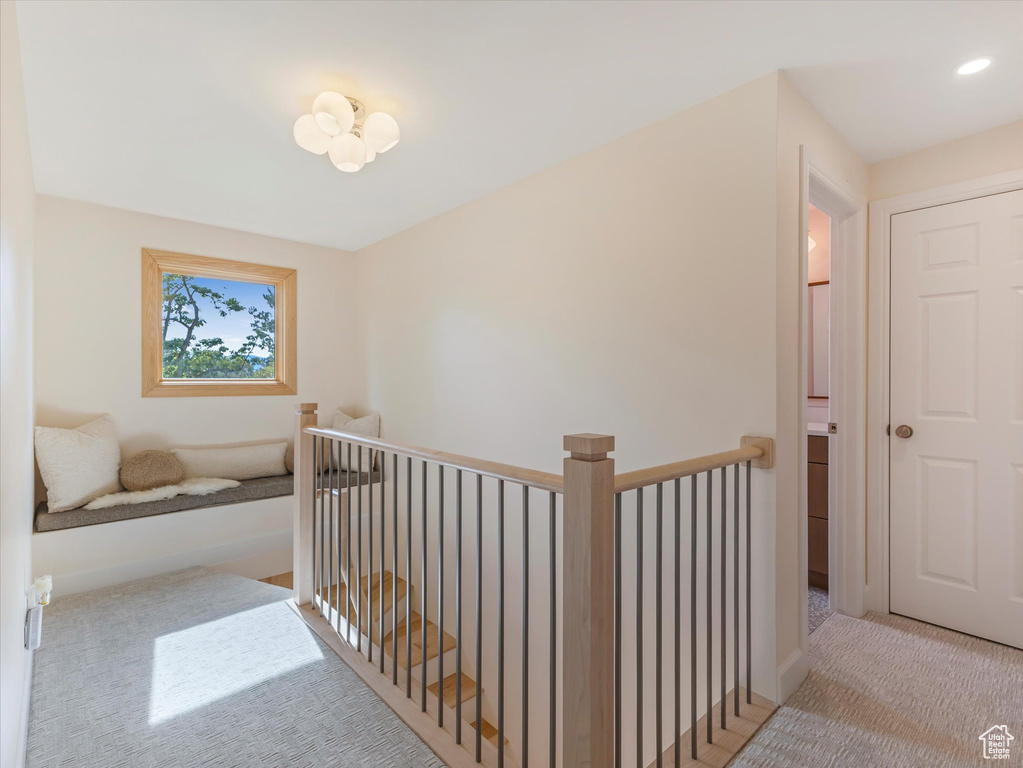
(817,510)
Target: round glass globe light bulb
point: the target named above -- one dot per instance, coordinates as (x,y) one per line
(347,152)
(380,131)
(333,113)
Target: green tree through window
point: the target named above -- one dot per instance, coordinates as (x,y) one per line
(218,329)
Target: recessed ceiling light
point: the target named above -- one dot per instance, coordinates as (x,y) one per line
(973,66)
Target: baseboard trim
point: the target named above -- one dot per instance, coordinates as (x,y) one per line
(26,707)
(792,673)
(727,743)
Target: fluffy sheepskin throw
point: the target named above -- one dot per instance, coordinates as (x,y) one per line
(196,486)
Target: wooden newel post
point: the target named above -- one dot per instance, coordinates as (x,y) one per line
(305,460)
(588,603)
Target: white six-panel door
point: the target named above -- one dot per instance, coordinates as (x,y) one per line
(956,504)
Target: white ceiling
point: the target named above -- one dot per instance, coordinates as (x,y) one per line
(185,109)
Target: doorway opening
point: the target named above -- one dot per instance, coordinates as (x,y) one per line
(818,414)
(845,420)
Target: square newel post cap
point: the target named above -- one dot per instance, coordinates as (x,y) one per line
(306,408)
(589,447)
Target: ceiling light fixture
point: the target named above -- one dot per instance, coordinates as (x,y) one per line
(340,128)
(973,66)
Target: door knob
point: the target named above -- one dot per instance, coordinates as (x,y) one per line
(904,431)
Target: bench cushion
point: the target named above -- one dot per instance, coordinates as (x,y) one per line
(249,490)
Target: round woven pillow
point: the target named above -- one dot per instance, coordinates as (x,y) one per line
(289,458)
(151,469)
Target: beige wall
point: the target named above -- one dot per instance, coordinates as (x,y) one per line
(17,197)
(971,157)
(88,361)
(612,293)
(88,313)
(798,125)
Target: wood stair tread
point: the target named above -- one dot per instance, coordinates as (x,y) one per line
(451,689)
(374,580)
(489,732)
(389,579)
(432,644)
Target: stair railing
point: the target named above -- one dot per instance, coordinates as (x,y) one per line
(374,523)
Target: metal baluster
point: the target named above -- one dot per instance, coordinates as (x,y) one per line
(369,573)
(323,537)
(479,616)
(316,484)
(735,595)
(337,542)
(440,595)
(618,630)
(639,629)
(500,624)
(749,594)
(358,551)
(724,596)
(525,626)
(692,616)
(330,527)
(408,577)
(678,622)
(422,618)
(458,607)
(657,623)
(348,545)
(394,572)
(553,622)
(710,608)
(383,552)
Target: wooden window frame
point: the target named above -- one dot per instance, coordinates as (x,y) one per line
(155,264)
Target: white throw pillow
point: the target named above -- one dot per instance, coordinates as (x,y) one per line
(367,426)
(244,462)
(78,465)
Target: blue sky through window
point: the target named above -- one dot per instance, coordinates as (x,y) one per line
(234,328)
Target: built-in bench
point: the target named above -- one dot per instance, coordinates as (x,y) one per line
(249,490)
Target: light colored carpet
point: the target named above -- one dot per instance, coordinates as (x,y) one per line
(200,668)
(818,604)
(890,691)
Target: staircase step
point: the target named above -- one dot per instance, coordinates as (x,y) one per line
(433,648)
(451,689)
(367,581)
(389,580)
(489,732)
(374,579)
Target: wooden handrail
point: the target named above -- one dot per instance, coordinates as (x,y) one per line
(759,450)
(544,481)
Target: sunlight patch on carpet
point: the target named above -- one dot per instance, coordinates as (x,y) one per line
(201,664)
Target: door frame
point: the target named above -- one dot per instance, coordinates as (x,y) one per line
(847,390)
(876,594)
